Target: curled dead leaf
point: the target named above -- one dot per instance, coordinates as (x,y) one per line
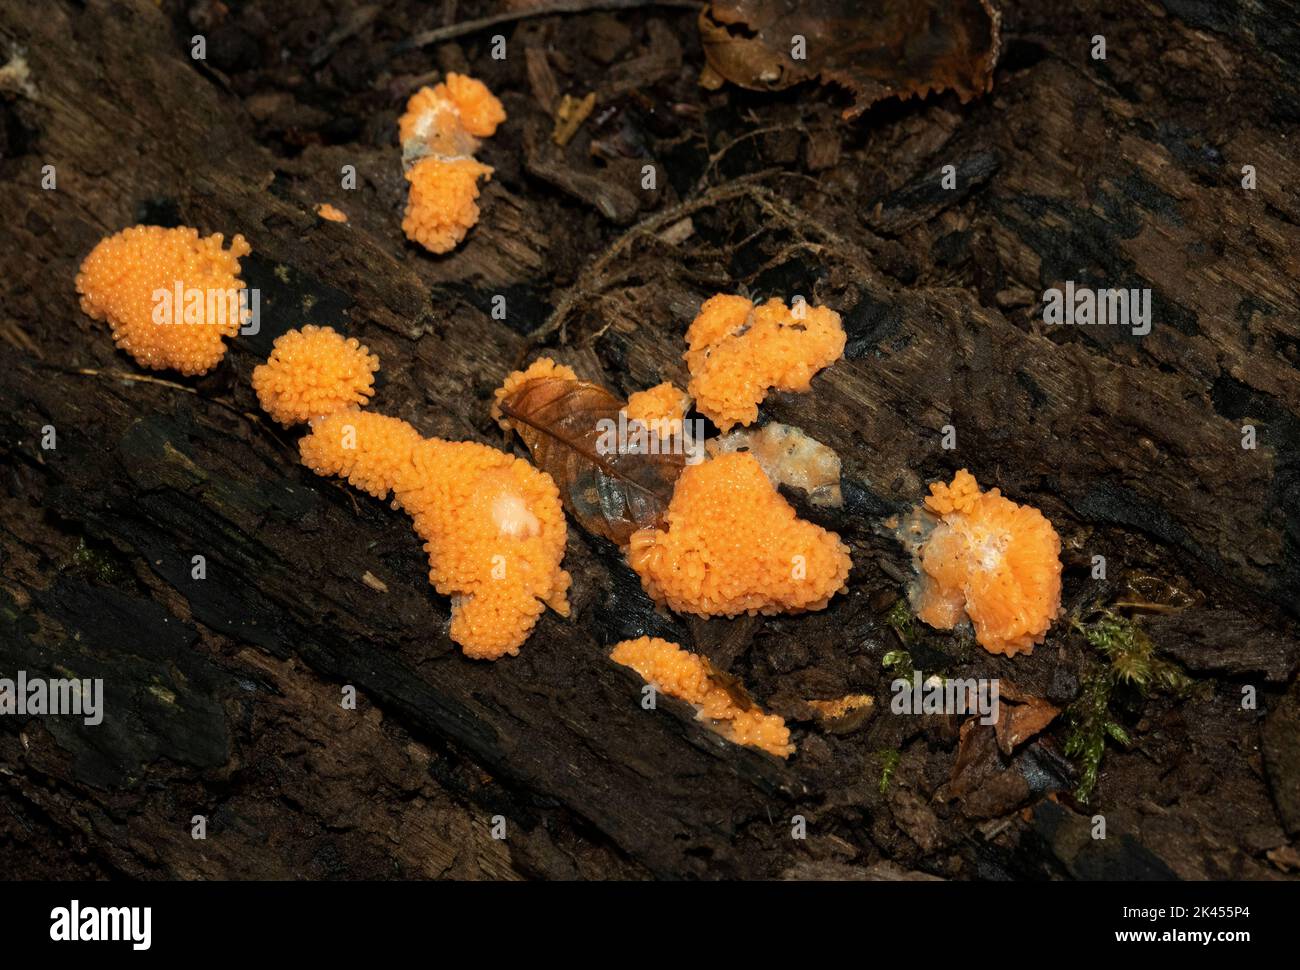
(1018,722)
(611,491)
(903,48)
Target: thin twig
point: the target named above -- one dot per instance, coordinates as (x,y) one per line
(122,375)
(591,281)
(452,31)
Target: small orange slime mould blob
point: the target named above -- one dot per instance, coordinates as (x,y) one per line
(379,453)
(124,280)
(314,372)
(661,407)
(327,211)
(732,544)
(992,560)
(737,352)
(681,674)
(439,133)
(492,524)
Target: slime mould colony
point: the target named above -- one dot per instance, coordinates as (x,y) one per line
(683,675)
(723,543)
(170,297)
(440,133)
(729,542)
(985,558)
(737,352)
(492,524)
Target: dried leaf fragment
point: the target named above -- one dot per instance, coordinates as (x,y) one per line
(611,489)
(570,115)
(904,48)
(1020,717)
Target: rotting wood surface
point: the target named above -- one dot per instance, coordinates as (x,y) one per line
(224,693)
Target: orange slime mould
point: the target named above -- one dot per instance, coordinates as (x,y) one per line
(331,213)
(681,674)
(313,372)
(726,542)
(661,407)
(492,524)
(170,296)
(440,133)
(737,352)
(990,560)
(732,544)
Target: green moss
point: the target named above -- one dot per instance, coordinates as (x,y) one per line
(1129,661)
(889,758)
(92,564)
(1131,653)
(902,620)
(898,662)
(903,623)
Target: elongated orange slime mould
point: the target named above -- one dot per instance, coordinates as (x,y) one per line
(991,560)
(170,296)
(681,674)
(440,133)
(492,524)
(737,352)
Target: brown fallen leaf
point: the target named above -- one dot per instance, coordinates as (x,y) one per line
(1017,723)
(977,760)
(902,49)
(612,492)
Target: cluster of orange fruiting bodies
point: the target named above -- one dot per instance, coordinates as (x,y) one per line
(170,296)
(661,407)
(737,352)
(439,134)
(992,561)
(683,675)
(731,544)
(314,372)
(492,524)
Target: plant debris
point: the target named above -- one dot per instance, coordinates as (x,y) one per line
(570,115)
(908,48)
(612,492)
(1131,662)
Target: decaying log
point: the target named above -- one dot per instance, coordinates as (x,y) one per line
(224,692)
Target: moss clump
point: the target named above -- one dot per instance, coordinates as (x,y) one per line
(889,758)
(1130,662)
(90,563)
(1132,654)
(903,622)
(899,662)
